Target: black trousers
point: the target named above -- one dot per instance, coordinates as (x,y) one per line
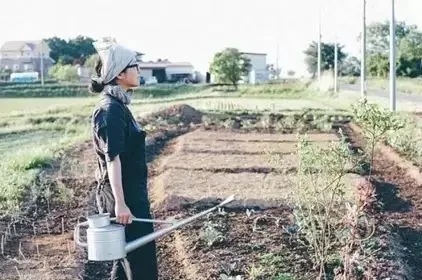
(142,261)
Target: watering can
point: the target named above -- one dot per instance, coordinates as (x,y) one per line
(106,241)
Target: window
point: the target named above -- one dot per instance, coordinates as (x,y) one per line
(16,67)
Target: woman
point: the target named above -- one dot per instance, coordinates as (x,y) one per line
(119,144)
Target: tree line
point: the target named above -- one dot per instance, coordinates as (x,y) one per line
(229,65)
(409,53)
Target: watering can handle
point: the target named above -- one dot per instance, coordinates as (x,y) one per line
(77,236)
(147,221)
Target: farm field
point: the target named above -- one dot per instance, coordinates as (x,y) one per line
(281,158)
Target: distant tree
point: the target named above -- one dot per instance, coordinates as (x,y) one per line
(327,57)
(229,66)
(409,49)
(66,52)
(378,36)
(350,67)
(65,59)
(66,73)
(378,65)
(410,54)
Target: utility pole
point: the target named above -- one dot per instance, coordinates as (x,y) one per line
(276,63)
(42,62)
(363,54)
(319,47)
(392,59)
(335,65)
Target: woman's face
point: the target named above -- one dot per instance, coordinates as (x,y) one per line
(130,77)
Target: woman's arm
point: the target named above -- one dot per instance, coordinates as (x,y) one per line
(123,214)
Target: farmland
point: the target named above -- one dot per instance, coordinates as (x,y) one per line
(323,190)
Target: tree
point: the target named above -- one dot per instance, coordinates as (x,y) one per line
(378,65)
(350,67)
(229,66)
(410,55)
(409,49)
(67,52)
(66,73)
(378,36)
(327,56)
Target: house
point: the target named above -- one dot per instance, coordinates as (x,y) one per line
(166,71)
(258,72)
(25,56)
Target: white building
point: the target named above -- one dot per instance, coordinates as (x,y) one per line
(166,71)
(259,72)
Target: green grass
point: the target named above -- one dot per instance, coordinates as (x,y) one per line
(25,154)
(404,85)
(25,105)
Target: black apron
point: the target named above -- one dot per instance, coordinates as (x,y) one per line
(142,261)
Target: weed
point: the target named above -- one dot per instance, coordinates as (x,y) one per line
(284,276)
(211,234)
(256,272)
(64,194)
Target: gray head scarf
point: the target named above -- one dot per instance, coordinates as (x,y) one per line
(115,58)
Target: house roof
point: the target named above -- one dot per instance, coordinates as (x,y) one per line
(180,64)
(13,46)
(253,53)
(164,64)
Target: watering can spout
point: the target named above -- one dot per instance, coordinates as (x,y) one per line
(155,235)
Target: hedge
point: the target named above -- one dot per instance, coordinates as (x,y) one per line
(81,90)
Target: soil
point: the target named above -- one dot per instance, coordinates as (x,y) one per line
(255,235)
(250,188)
(399,193)
(235,143)
(181,113)
(233,243)
(259,180)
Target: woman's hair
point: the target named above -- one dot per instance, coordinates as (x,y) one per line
(97,87)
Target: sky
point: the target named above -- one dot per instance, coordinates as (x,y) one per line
(193,30)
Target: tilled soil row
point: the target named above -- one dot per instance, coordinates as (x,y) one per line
(398,185)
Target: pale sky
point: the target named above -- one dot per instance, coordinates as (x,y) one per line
(193,30)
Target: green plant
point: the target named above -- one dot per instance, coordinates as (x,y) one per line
(211,234)
(320,197)
(284,276)
(410,147)
(376,122)
(255,272)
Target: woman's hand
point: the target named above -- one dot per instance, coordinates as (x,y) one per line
(123,214)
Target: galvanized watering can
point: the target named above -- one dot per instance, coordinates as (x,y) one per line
(106,241)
